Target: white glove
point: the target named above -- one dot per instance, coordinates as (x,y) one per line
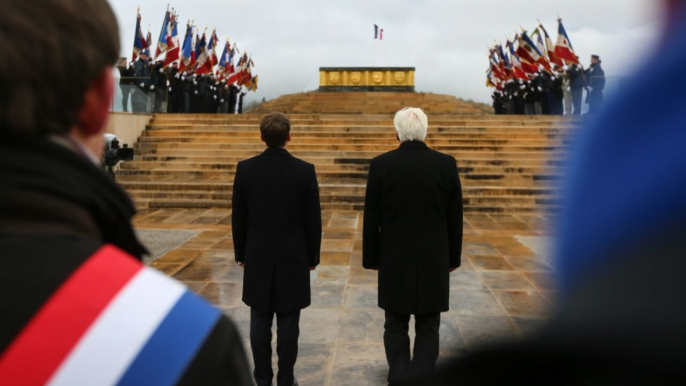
(169,89)
(168,83)
(510,96)
(216,84)
(215,97)
(176,76)
(590,89)
(522,87)
(152,87)
(565,67)
(539,88)
(195,82)
(183,78)
(554,77)
(516,94)
(161,70)
(222,101)
(569,89)
(528,81)
(196,92)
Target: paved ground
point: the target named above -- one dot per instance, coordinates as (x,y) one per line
(502,291)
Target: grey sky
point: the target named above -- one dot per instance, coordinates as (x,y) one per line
(445,40)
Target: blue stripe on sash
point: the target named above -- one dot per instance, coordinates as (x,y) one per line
(171,349)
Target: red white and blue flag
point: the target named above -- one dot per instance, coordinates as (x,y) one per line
(226,61)
(528,54)
(550,48)
(113,321)
(516,63)
(162,41)
(139,42)
(202,56)
(172,38)
(378,32)
(564,49)
(187,53)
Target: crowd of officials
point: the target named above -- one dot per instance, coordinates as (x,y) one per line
(153,88)
(559,93)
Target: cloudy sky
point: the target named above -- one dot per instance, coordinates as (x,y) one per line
(446,40)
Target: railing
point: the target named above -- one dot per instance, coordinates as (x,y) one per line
(139,95)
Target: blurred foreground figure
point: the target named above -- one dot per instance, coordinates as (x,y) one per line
(621,318)
(77,305)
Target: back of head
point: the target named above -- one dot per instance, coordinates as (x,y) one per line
(52,50)
(411,124)
(275,129)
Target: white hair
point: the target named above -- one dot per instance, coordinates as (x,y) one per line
(411,124)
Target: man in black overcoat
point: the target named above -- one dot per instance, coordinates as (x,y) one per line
(277,232)
(596,79)
(413,237)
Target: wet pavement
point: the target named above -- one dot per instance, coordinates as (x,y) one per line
(503,291)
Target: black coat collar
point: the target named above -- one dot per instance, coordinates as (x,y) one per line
(412,145)
(41,168)
(276,151)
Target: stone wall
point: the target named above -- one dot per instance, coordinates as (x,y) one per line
(127,127)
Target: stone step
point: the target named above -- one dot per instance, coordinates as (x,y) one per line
(209,204)
(348,141)
(330,168)
(350,154)
(228,132)
(381,148)
(344,161)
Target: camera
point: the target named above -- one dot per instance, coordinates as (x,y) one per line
(114,154)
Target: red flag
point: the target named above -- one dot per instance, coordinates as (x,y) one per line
(564,49)
(551,48)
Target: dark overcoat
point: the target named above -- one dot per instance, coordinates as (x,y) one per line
(277,229)
(413,227)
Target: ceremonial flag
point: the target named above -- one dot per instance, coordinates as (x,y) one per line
(516,63)
(378,32)
(528,54)
(245,73)
(495,66)
(226,61)
(173,47)
(148,43)
(202,56)
(234,75)
(211,47)
(544,61)
(564,49)
(504,62)
(254,84)
(550,48)
(139,43)
(162,41)
(187,54)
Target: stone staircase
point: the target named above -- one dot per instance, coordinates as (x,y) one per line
(507,164)
(371,103)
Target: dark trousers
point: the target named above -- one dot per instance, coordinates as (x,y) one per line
(125,92)
(287,332)
(577,96)
(397,343)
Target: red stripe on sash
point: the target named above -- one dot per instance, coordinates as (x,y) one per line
(37,352)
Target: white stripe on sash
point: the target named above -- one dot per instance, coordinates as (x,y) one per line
(110,345)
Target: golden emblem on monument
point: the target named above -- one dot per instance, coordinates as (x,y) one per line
(399,77)
(334,77)
(377,77)
(355,77)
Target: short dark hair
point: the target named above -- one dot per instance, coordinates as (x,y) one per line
(52,50)
(275,128)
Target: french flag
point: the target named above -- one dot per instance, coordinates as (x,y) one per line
(564,49)
(139,43)
(162,45)
(172,44)
(378,32)
(187,54)
(114,321)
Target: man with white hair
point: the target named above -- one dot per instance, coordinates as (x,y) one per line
(413,238)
